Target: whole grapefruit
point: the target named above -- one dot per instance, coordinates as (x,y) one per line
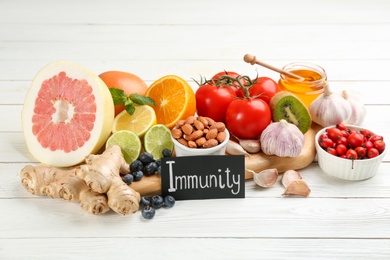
(128,82)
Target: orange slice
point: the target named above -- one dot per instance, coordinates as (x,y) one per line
(174,98)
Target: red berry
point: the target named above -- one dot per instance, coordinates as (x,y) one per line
(322,136)
(368,144)
(372,152)
(334,133)
(341,149)
(341,126)
(342,140)
(366,133)
(332,151)
(326,143)
(361,152)
(356,139)
(375,138)
(345,133)
(351,154)
(379,145)
(351,131)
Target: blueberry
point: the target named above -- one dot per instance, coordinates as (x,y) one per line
(138,175)
(150,168)
(146,158)
(166,152)
(158,161)
(136,165)
(169,201)
(128,178)
(159,169)
(148,212)
(157,201)
(144,202)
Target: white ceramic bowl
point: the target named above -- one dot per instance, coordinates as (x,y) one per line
(182,150)
(347,169)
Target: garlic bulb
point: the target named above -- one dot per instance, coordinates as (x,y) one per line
(282,139)
(329,109)
(358,109)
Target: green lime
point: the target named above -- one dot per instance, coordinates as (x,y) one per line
(156,139)
(128,141)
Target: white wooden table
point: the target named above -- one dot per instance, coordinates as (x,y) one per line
(340,219)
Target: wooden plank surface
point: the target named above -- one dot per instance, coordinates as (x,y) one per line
(339,220)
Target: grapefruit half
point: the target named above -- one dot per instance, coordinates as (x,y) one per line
(68,114)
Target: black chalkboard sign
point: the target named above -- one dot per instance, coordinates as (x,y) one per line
(203,177)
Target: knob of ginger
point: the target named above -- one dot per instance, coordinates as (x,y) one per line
(96,185)
(102,174)
(60,183)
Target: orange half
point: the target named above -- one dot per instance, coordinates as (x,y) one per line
(174,99)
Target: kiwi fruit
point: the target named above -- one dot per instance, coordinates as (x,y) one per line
(285,105)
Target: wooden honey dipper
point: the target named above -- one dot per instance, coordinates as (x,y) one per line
(252,60)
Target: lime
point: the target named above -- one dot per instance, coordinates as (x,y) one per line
(156,139)
(139,122)
(128,141)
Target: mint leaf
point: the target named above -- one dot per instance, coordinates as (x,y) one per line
(142,100)
(130,108)
(118,96)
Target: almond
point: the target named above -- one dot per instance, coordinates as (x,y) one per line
(221,136)
(212,134)
(183,141)
(203,120)
(198,125)
(195,135)
(190,120)
(192,144)
(200,141)
(176,133)
(187,129)
(210,143)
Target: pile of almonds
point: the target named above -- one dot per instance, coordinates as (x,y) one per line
(199,132)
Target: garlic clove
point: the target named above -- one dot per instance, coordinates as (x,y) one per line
(234,148)
(266,178)
(290,176)
(298,187)
(249,145)
(294,185)
(358,110)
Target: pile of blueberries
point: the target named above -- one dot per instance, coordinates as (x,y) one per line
(145,165)
(149,205)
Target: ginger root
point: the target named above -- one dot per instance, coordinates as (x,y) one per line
(96,185)
(59,183)
(102,174)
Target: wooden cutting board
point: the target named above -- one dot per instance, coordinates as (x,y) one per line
(151,185)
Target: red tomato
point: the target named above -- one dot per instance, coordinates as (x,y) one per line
(264,88)
(212,101)
(247,118)
(223,81)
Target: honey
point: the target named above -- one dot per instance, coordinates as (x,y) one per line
(306,90)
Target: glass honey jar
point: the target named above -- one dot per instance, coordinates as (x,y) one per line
(308,89)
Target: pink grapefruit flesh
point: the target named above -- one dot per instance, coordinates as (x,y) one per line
(68,113)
